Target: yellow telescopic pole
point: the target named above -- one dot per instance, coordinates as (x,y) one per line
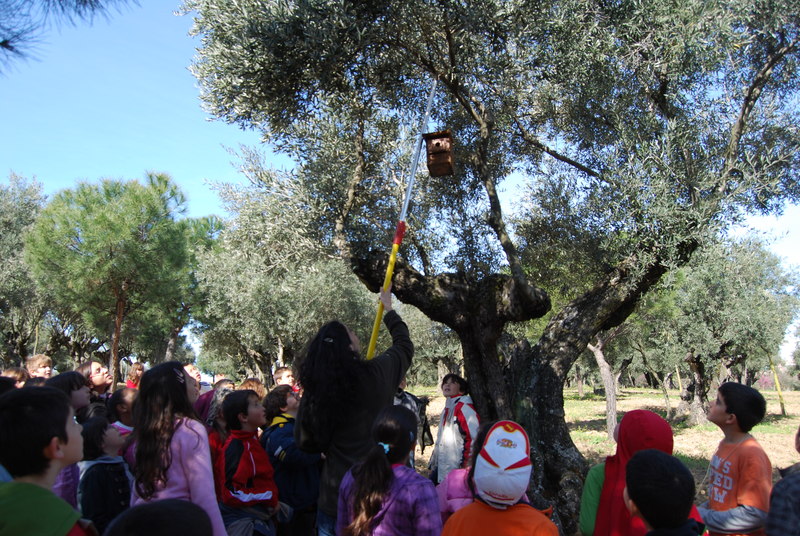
(387,281)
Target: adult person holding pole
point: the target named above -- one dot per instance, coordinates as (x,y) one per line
(342,395)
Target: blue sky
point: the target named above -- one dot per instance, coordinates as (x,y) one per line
(116,99)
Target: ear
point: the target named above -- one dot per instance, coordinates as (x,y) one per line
(53,450)
(242,418)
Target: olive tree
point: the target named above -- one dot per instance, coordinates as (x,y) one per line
(658,124)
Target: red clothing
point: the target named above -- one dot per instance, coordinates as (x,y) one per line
(245,473)
(639,430)
(130,384)
(215,446)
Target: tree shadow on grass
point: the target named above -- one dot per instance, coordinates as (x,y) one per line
(591,425)
(599,425)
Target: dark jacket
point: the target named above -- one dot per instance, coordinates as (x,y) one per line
(104,490)
(296,472)
(350,441)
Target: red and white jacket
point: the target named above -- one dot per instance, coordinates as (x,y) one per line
(244,473)
(457,430)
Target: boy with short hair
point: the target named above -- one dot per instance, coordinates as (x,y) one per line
(740,473)
(660,490)
(245,474)
(284,376)
(39,366)
(296,472)
(38,438)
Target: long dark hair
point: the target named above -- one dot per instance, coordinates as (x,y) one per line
(162,400)
(330,373)
(393,435)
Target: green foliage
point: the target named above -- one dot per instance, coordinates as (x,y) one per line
(103,251)
(21,305)
(267,289)
(731,305)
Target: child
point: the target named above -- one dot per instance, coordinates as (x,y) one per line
(254,384)
(660,491)
(217,432)
(120,410)
(603,509)
(74,386)
(245,476)
(171,452)
(784,506)
(104,490)
(296,472)
(457,428)
(382,495)
(499,475)
(19,375)
(134,376)
(38,438)
(283,376)
(39,366)
(98,379)
(740,472)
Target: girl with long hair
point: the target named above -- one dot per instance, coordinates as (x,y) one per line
(342,395)
(171,453)
(134,375)
(382,495)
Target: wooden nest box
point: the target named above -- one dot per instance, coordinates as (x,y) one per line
(440,153)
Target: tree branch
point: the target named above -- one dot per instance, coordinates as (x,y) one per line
(750,98)
(529,139)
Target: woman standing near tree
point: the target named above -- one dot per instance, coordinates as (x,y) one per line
(342,396)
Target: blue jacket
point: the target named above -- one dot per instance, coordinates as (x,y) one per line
(296,472)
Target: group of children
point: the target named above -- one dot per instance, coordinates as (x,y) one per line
(146,457)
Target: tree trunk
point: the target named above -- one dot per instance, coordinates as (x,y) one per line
(118,318)
(694,398)
(172,343)
(610,386)
(579,380)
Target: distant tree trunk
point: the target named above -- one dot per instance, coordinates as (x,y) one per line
(579,380)
(172,343)
(696,394)
(663,380)
(609,384)
(121,306)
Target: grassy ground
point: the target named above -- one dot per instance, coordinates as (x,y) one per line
(694,445)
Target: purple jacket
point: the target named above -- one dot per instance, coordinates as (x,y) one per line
(66,484)
(410,508)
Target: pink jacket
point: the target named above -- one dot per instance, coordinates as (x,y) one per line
(190,476)
(454,492)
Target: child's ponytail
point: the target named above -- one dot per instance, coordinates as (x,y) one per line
(393,433)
